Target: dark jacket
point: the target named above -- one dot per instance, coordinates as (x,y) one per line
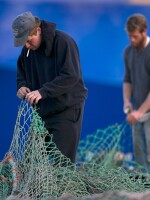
(53,69)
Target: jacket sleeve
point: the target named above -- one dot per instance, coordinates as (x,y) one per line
(68,66)
(21,77)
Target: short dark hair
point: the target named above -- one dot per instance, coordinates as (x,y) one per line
(136,22)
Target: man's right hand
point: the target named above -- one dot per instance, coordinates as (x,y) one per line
(22,92)
(127,108)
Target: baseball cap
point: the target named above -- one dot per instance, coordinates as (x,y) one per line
(22,25)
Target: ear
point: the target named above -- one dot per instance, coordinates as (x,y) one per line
(145,32)
(39,31)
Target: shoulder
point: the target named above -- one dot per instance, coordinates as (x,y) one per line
(64,38)
(148,47)
(147,54)
(63,35)
(128,49)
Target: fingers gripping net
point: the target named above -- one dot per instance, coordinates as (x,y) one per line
(31,171)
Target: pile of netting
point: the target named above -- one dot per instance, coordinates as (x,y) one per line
(28,171)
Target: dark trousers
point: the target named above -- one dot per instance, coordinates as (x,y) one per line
(66,129)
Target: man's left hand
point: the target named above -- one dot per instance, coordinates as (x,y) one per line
(33,97)
(134,116)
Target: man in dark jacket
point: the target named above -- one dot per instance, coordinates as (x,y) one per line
(49,75)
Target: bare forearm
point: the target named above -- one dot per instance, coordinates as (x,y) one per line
(127,92)
(138,114)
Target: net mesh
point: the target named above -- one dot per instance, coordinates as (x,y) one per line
(35,169)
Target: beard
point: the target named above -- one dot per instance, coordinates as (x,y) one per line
(140,43)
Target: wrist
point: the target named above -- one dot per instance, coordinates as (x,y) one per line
(141,112)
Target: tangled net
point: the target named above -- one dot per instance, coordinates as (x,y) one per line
(31,171)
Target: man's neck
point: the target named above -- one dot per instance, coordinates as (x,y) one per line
(147,41)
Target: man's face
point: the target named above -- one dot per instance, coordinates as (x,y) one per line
(137,38)
(34,41)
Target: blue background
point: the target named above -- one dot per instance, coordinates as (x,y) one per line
(98,28)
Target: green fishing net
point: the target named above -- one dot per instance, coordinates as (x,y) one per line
(33,169)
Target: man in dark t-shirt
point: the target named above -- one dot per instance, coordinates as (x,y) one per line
(136,87)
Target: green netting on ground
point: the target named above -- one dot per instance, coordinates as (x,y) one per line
(28,171)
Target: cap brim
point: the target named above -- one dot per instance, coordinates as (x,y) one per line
(21,40)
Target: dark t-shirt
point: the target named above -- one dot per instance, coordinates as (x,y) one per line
(137,72)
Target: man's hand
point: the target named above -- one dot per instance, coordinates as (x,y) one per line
(134,116)
(127,107)
(22,92)
(33,97)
